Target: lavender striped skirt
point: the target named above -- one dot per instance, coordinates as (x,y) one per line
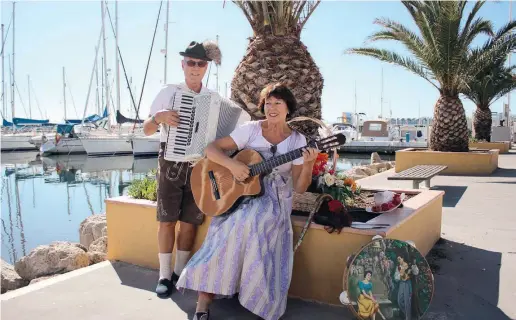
(249,252)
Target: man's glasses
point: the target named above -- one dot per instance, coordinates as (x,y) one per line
(192,63)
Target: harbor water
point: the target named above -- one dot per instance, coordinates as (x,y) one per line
(44,199)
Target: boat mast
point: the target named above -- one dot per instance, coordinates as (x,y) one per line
(30,109)
(166,47)
(117,65)
(91,77)
(13,79)
(97,87)
(105,66)
(217,70)
(4,105)
(381,99)
(508,121)
(64,93)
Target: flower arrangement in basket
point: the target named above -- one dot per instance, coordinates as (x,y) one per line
(326,180)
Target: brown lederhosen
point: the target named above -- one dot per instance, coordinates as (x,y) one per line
(175,198)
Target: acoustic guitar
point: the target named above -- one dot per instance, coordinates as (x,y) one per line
(216,191)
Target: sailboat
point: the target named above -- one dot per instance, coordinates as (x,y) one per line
(102,141)
(16,135)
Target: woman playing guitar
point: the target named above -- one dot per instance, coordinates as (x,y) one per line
(250,250)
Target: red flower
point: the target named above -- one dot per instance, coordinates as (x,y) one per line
(332,172)
(335,206)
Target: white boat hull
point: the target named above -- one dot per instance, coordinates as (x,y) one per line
(145,146)
(380,146)
(64,146)
(16,142)
(107,145)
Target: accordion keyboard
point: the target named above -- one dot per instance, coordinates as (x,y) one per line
(202,119)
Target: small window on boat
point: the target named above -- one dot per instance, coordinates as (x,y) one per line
(375,126)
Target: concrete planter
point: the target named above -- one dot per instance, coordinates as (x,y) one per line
(503,147)
(319,262)
(474,162)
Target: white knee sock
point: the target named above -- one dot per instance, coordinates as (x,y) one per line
(165,265)
(181,261)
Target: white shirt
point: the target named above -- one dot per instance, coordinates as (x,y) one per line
(250,136)
(163,102)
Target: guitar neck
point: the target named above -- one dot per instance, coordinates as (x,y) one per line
(268,165)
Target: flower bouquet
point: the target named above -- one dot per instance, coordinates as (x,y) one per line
(326,180)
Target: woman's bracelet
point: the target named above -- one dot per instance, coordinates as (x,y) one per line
(153,119)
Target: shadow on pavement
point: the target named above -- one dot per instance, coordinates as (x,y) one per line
(504,173)
(452,194)
(467,282)
(227,309)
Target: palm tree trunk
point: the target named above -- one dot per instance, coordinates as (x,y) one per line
(285,59)
(482,123)
(449,129)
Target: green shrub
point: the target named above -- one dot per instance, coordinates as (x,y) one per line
(145,188)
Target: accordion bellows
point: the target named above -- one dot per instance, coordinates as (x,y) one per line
(203,118)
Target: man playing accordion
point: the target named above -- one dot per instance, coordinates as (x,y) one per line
(175,201)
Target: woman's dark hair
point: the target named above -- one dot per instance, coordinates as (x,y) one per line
(368,271)
(278,91)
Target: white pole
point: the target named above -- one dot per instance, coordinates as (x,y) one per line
(11,81)
(217,66)
(381,99)
(64,93)
(4,104)
(105,65)
(13,77)
(116,55)
(509,94)
(92,73)
(99,107)
(30,109)
(355,96)
(166,47)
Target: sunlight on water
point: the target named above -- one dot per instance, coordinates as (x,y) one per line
(44,199)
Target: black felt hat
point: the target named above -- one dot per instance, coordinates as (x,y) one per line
(195,50)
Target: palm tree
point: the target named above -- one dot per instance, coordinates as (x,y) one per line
(494,80)
(275,53)
(440,56)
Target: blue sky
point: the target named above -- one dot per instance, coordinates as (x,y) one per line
(53,35)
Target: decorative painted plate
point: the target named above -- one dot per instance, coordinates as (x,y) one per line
(388,279)
(402,198)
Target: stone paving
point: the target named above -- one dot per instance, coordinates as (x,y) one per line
(474,265)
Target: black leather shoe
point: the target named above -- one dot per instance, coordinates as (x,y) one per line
(202,315)
(164,288)
(175,278)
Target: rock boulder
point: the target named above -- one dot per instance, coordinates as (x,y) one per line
(99,245)
(58,257)
(10,279)
(92,228)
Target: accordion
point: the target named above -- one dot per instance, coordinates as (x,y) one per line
(203,118)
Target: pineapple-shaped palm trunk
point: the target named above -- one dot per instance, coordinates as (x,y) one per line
(482,122)
(271,59)
(449,128)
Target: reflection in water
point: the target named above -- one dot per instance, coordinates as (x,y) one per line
(52,195)
(42,192)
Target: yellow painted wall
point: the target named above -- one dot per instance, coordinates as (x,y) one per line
(469,163)
(132,232)
(503,147)
(320,261)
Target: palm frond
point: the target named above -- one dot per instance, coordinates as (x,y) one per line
(440,50)
(277,17)
(392,57)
